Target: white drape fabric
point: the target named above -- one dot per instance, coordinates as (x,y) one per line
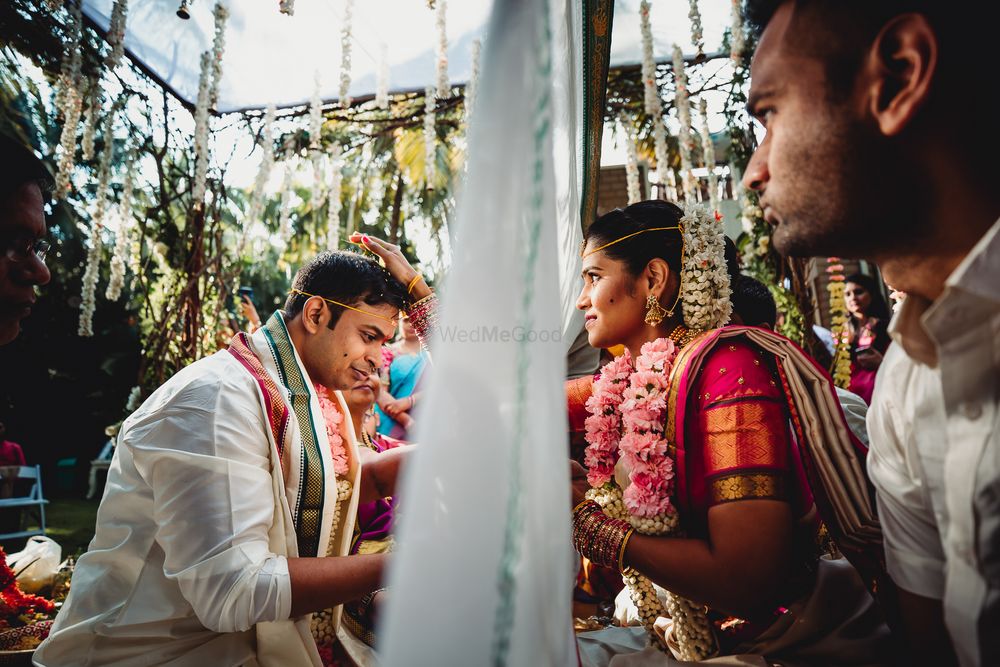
(483,574)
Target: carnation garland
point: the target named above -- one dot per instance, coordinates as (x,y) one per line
(441,49)
(430,139)
(697,33)
(382,84)
(839,318)
(321,625)
(737,38)
(684,116)
(345,53)
(705,290)
(201,131)
(334,199)
(116,34)
(653,104)
(628,411)
(708,148)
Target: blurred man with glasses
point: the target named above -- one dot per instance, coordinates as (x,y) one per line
(22,228)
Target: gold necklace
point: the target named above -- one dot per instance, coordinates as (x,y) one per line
(366,440)
(681,335)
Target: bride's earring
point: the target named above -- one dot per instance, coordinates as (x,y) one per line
(654,311)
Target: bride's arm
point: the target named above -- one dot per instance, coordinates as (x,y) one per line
(739,570)
(380,470)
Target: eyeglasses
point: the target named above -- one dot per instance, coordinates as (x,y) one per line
(19,251)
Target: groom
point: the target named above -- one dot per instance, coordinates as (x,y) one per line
(220,499)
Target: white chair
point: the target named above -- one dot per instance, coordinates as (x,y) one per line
(34,499)
(102,462)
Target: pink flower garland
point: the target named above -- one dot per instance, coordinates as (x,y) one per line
(603,426)
(333,418)
(628,416)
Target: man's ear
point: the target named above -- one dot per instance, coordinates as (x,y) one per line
(901,66)
(314,314)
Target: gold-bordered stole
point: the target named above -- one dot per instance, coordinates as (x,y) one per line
(745,453)
(308,512)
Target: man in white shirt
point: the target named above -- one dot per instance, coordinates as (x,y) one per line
(222,500)
(868,154)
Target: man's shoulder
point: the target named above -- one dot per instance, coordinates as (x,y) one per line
(200,384)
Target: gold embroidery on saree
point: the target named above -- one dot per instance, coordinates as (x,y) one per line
(743,486)
(740,435)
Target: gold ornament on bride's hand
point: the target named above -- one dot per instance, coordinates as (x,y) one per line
(654,311)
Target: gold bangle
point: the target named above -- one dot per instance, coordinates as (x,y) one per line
(621,550)
(413,283)
(581,504)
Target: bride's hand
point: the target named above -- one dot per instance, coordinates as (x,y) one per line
(395,263)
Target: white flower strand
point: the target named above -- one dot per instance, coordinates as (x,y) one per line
(345,54)
(89,283)
(102,200)
(705,289)
(697,33)
(123,236)
(69,100)
(117,279)
(430,139)
(201,131)
(631,164)
(72,60)
(285,213)
(92,272)
(221,13)
(318,194)
(653,104)
(315,155)
(382,85)
(684,116)
(472,87)
(93,114)
(256,207)
(287,7)
(335,204)
(737,39)
(708,148)
(441,49)
(315,114)
(116,34)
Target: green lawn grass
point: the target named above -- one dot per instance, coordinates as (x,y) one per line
(69,521)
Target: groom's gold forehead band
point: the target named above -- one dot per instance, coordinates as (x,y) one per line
(344,305)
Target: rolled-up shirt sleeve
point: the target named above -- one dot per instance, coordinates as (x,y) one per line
(913,550)
(206,457)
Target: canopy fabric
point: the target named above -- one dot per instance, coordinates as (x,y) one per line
(274,58)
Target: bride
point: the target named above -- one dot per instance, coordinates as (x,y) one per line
(708,456)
